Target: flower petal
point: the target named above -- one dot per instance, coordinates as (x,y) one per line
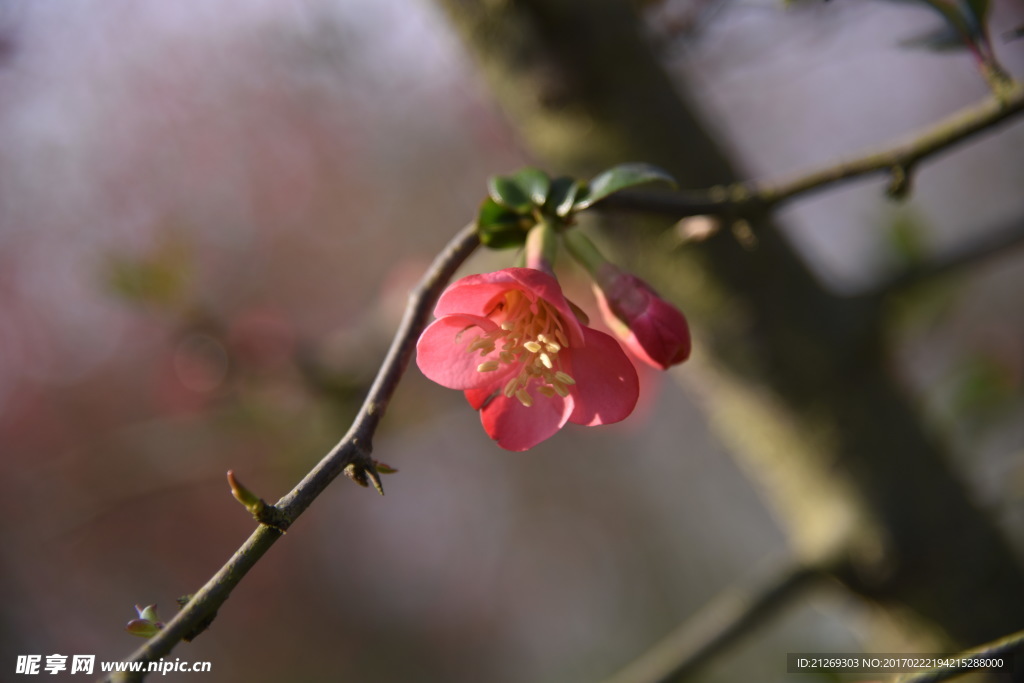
(660,339)
(478,294)
(479,397)
(518,428)
(442,356)
(473,295)
(607,387)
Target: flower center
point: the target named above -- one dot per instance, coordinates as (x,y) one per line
(529,335)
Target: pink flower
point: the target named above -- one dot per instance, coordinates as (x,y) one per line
(511,342)
(650,327)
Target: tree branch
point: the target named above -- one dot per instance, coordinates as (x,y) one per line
(352,451)
(730,616)
(899,161)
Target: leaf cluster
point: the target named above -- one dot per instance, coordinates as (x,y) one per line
(517,202)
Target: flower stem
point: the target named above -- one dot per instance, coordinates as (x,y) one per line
(604,272)
(584,251)
(542,246)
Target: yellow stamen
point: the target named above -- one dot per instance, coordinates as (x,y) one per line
(525,337)
(481,343)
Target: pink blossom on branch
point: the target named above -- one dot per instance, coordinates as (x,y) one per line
(512,343)
(654,330)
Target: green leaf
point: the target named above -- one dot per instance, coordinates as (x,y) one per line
(384,468)
(561,196)
(250,500)
(503,238)
(619,178)
(492,214)
(142,628)
(148,623)
(500,228)
(147,613)
(534,183)
(506,192)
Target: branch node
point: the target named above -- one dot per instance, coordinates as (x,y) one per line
(900,181)
(273,516)
(261,511)
(363,471)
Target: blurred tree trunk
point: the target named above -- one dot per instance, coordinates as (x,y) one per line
(798,381)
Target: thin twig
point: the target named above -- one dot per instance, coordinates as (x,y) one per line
(353,450)
(356,446)
(741,200)
(719,625)
(1010,645)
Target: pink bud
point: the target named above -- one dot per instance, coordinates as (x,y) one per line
(650,327)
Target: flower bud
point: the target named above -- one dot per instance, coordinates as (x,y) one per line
(147,624)
(652,329)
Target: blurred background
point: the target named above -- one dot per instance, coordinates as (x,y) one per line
(210,215)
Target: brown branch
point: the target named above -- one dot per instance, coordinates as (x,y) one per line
(730,616)
(899,161)
(353,451)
